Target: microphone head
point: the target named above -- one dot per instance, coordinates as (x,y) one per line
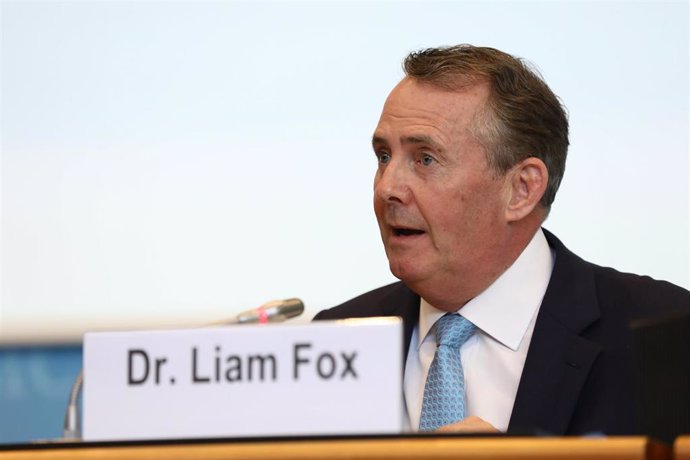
(288,308)
(275,311)
(292,307)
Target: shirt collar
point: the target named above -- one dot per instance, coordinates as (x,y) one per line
(504,309)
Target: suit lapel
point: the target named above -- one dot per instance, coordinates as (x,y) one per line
(404,303)
(559,359)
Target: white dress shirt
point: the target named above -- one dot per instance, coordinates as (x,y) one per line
(493,358)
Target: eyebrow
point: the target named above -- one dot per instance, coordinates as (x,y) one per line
(376,140)
(416,139)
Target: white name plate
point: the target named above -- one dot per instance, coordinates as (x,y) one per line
(330,377)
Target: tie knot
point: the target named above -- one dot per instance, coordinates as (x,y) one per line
(453,330)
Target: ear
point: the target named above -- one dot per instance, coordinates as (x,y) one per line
(527,184)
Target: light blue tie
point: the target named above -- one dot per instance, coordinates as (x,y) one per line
(444,392)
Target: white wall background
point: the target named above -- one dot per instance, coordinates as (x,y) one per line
(176,162)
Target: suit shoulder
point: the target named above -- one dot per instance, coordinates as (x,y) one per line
(644,294)
(633,295)
(372,303)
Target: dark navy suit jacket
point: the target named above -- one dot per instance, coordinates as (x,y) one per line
(578,375)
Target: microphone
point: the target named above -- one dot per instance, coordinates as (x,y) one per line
(270,312)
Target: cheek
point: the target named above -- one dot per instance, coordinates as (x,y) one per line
(452,210)
(455,224)
(378,208)
(464,217)
(379,211)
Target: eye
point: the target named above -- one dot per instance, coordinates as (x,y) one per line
(383,157)
(427,159)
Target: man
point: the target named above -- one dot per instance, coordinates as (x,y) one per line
(471,148)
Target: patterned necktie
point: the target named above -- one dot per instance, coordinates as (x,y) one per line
(444,393)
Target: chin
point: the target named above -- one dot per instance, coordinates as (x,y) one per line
(405,272)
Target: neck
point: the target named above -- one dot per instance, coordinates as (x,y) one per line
(453,293)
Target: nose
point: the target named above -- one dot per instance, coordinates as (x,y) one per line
(391,184)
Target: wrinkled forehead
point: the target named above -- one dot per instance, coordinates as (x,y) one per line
(418,110)
(419,89)
(411,96)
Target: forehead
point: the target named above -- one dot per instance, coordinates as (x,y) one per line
(429,109)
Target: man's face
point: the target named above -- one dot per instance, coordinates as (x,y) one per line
(440,209)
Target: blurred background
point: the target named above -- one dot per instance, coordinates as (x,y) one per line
(169,164)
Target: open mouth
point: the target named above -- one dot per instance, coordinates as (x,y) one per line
(399,231)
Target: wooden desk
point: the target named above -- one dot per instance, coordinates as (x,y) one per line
(403,448)
(681,448)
